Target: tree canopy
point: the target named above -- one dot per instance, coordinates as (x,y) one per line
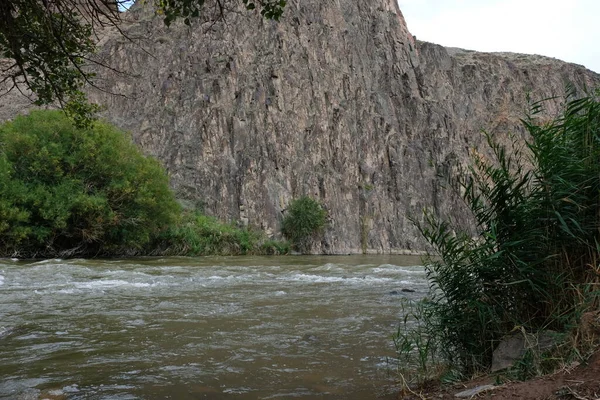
(66,191)
(49,42)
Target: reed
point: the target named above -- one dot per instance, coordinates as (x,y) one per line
(533,264)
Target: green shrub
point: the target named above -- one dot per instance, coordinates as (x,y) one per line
(66,191)
(199,235)
(275,248)
(534,262)
(305,218)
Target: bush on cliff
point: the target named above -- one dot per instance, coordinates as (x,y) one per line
(305,218)
(66,191)
(534,265)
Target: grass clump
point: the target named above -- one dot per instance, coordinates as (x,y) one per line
(196,234)
(417,350)
(305,218)
(272,247)
(533,265)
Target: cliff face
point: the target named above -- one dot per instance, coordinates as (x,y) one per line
(337,102)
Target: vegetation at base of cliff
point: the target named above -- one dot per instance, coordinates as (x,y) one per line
(534,265)
(197,234)
(66,191)
(304,220)
(74,192)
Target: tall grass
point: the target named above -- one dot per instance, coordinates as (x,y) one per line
(417,352)
(197,234)
(533,264)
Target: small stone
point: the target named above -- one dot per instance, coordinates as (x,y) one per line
(309,338)
(510,349)
(547,340)
(52,394)
(474,391)
(513,347)
(408,290)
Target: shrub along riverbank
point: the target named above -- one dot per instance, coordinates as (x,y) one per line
(71,192)
(196,234)
(533,268)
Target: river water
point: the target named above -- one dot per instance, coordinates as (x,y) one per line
(203,328)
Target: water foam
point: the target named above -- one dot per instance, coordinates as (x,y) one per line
(48,261)
(330,267)
(240,390)
(393,269)
(336,279)
(68,291)
(112,283)
(127,273)
(220,278)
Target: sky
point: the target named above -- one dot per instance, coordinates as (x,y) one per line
(565,29)
(125,4)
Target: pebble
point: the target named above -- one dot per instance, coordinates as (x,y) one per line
(474,391)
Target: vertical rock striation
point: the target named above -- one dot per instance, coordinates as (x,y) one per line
(338,101)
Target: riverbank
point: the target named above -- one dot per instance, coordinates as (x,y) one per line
(577,381)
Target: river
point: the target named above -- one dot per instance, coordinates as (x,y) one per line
(308,327)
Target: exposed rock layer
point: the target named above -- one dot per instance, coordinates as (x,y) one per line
(337,101)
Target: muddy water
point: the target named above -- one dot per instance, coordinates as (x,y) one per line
(193,328)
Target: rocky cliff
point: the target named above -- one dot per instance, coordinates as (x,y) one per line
(338,101)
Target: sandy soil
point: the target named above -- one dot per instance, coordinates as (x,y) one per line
(579,382)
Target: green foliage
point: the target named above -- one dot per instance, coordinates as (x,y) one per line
(534,262)
(189,9)
(197,234)
(305,218)
(270,9)
(418,355)
(275,248)
(175,9)
(50,43)
(66,191)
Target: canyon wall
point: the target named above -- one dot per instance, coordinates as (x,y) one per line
(337,101)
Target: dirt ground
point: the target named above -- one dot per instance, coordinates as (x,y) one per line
(580,382)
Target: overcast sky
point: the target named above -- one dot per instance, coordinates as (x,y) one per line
(565,29)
